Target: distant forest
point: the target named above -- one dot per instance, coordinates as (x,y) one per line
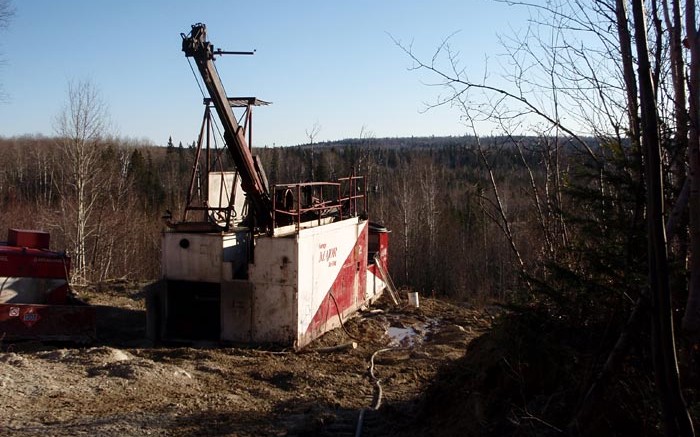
(433,193)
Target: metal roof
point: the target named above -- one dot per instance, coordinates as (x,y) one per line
(241,102)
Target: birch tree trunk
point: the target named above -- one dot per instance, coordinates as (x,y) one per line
(80,127)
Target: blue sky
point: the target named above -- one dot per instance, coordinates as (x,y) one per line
(329,63)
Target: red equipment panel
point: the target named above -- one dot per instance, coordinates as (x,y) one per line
(28,238)
(33,263)
(48,322)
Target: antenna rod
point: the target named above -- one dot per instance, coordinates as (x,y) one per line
(223,52)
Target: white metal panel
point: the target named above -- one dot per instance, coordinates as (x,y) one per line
(274,275)
(375,285)
(274,314)
(196,257)
(237,310)
(221,187)
(322,253)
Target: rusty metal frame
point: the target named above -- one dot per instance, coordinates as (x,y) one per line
(204,142)
(196,46)
(345,203)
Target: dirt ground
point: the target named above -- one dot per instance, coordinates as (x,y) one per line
(122,385)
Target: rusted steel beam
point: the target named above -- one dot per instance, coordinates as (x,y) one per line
(202,51)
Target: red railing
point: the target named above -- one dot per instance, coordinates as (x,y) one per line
(305,202)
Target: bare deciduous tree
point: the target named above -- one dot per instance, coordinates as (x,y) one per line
(405,206)
(6,13)
(573,70)
(691,319)
(311,134)
(81,127)
(676,418)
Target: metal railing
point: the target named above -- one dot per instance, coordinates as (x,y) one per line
(305,202)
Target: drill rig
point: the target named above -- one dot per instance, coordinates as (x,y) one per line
(258,264)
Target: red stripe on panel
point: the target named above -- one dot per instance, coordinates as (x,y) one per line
(348,289)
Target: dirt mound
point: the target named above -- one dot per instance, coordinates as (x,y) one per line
(122,386)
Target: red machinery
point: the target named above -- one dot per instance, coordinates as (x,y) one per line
(250,263)
(35,302)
